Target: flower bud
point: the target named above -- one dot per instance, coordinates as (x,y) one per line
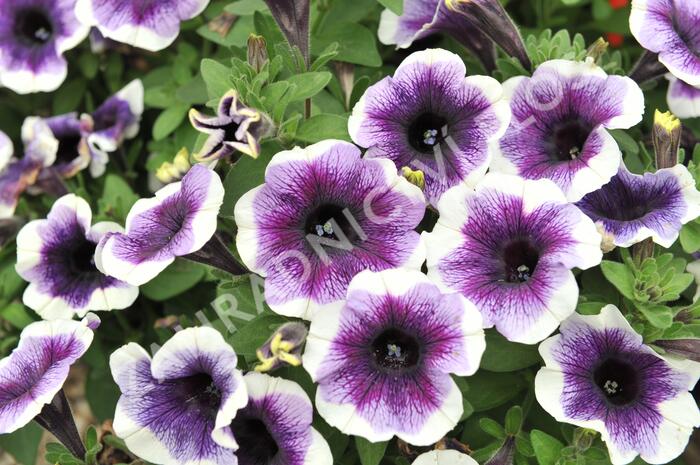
(666,137)
(257,52)
(282,348)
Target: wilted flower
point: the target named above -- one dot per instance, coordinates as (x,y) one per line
(275,427)
(57,256)
(509,246)
(152,26)
(422,18)
(179,220)
(31,378)
(383,358)
(559,127)
(599,375)
(684,348)
(430,118)
(283,347)
(323,215)
(177,408)
(234,128)
(669,28)
(633,207)
(115,120)
(444,457)
(683,99)
(292,17)
(174,171)
(33,36)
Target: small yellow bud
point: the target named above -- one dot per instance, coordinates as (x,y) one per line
(174,171)
(666,137)
(415,177)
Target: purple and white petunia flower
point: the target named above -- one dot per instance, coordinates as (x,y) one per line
(33,36)
(683,99)
(32,376)
(112,122)
(559,127)
(421,18)
(275,427)
(151,26)
(235,127)
(7,149)
(179,220)
(599,375)
(633,207)
(444,457)
(16,175)
(429,117)
(73,152)
(323,215)
(669,28)
(383,358)
(56,256)
(177,408)
(509,246)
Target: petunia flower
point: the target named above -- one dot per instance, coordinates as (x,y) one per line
(421,18)
(152,26)
(73,152)
(275,427)
(177,407)
(179,220)
(632,207)
(33,36)
(559,127)
(509,246)
(235,127)
(7,149)
(599,375)
(32,377)
(683,99)
(323,215)
(56,256)
(444,457)
(669,28)
(383,358)
(112,122)
(429,117)
(16,175)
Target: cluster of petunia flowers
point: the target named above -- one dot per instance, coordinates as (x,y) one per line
(333,233)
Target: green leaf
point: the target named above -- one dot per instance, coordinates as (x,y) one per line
(306,85)
(169,120)
(177,278)
(492,428)
(217,77)
(502,355)
(16,314)
(117,198)
(621,276)
(68,97)
(358,44)
(547,448)
(245,7)
(488,390)
(514,420)
(660,316)
(690,237)
(371,453)
(625,141)
(23,444)
(246,174)
(323,126)
(247,338)
(396,6)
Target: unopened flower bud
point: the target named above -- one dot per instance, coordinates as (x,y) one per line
(282,348)
(416,177)
(257,52)
(597,49)
(666,137)
(174,171)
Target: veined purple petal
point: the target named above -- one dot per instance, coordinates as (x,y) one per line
(323,215)
(509,246)
(599,375)
(683,99)
(33,36)
(177,407)
(152,25)
(382,358)
(35,371)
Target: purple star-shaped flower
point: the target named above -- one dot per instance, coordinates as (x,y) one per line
(323,215)
(383,357)
(429,117)
(33,36)
(599,375)
(509,246)
(177,407)
(559,127)
(151,25)
(57,256)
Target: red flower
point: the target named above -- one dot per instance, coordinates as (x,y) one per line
(614,39)
(617,4)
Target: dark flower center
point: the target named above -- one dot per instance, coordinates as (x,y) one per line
(81,258)
(256,446)
(617,380)
(198,392)
(567,140)
(395,350)
(33,26)
(427,131)
(325,221)
(68,148)
(230,131)
(520,260)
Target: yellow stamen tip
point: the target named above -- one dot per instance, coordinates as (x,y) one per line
(666,120)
